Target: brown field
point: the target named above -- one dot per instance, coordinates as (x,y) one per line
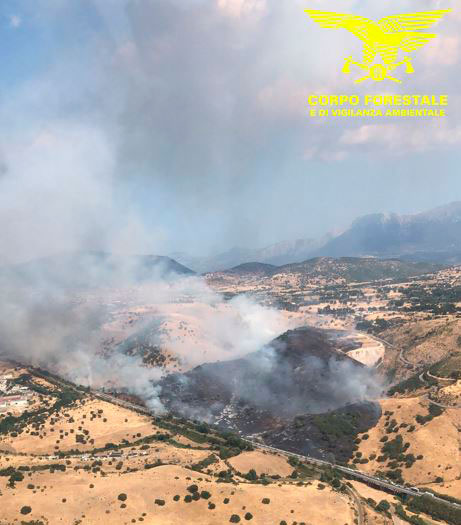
(104,422)
(261,462)
(438,441)
(86,498)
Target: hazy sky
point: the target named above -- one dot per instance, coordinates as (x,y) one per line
(181,125)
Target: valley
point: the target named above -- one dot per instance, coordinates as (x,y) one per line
(347,405)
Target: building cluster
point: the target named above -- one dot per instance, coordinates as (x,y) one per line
(12,396)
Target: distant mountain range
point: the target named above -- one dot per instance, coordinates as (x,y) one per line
(280,253)
(434,235)
(431,235)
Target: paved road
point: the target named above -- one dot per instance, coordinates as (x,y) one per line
(353,473)
(449,380)
(458,407)
(360,476)
(399,350)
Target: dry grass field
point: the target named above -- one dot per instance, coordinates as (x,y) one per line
(96,421)
(48,476)
(72,498)
(437,441)
(261,462)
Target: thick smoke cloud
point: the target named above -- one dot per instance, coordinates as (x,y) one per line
(298,373)
(60,327)
(205,101)
(226,82)
(161,127)
(58,198)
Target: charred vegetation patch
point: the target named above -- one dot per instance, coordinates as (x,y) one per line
(300,392)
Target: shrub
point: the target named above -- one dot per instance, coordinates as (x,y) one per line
(205,494)
(336,483)
(26,509)
(195,496)
(202,428)
(383,505)
(176,498)
(192,488)
(211,506)
(14,477)
(415,520)
(187,498)
(235,518)
(248,516)
(435,509)
(266,501)
(251,475)
(226,501)
(122,497)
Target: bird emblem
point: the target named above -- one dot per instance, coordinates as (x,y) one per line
(382,39)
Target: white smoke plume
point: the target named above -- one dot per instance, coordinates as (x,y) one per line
(60,329)
(58,196)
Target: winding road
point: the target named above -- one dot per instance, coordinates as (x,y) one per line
(352,473)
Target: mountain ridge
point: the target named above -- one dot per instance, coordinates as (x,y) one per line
(432,235)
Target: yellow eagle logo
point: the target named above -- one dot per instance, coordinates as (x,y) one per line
(382,39)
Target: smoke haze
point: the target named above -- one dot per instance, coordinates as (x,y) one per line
(151,126)
(143,111)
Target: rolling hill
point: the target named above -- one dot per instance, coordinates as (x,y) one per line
(433,235)
(358,269)
(92,269)
(354,269)
(299,373)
